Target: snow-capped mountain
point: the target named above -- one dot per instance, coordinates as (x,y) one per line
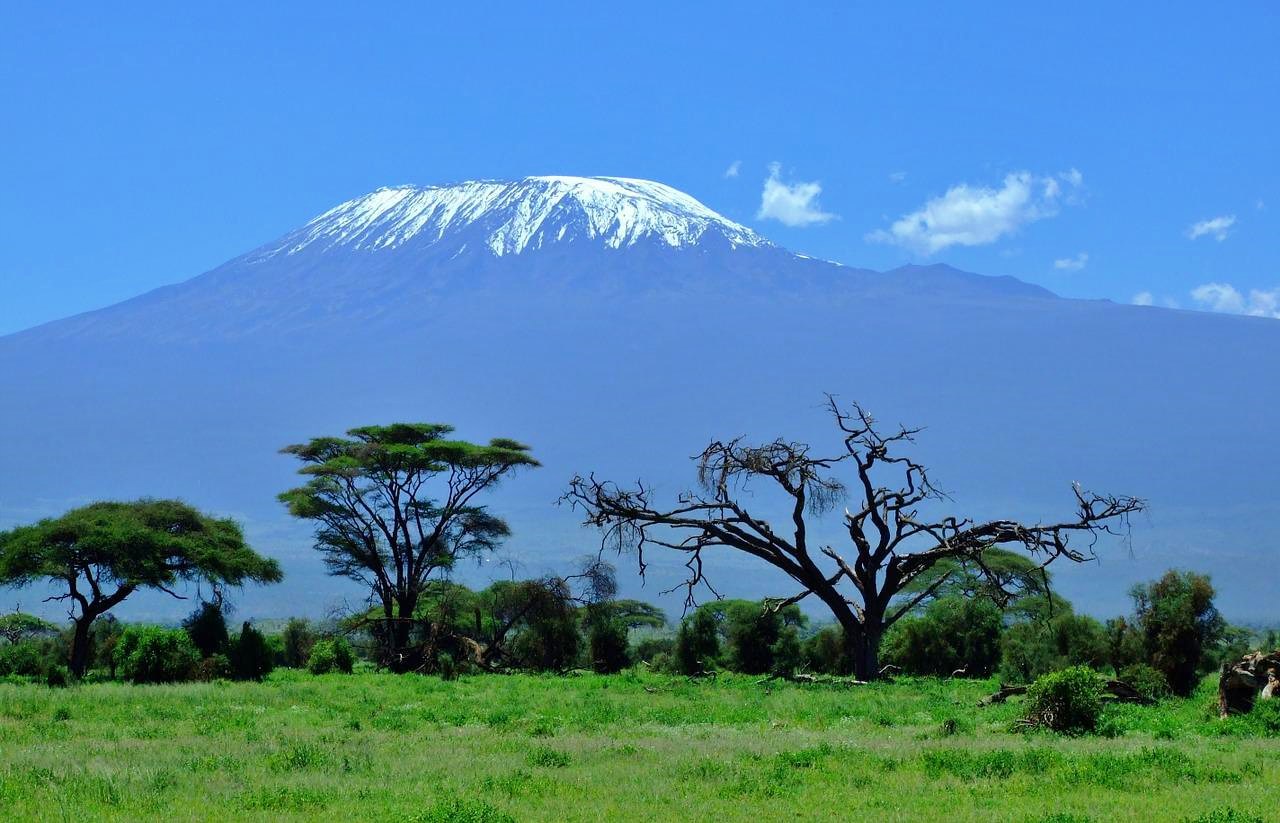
(379,258)
(617,325)
(512,217)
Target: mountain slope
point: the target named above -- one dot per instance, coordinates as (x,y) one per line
(382,258)
(617,326)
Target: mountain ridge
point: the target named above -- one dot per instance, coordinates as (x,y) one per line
(376,255)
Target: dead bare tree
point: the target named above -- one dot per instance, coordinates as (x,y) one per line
(893,544)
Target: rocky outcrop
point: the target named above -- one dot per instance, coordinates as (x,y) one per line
(1253,677)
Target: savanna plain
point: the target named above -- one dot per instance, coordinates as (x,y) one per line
(630,746)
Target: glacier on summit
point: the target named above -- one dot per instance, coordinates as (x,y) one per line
(518,216)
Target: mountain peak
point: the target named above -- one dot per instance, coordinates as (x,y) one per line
(511,217)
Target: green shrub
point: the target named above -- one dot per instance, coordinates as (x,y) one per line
(58,677)
(1147,681)
(151,654)
(1266,714)
(214,667)
(1124,643)
(954,633)
(296,642)
(105,635)
(1069,701)
(331,655)
(697,643)
(446,666)
(250,655)
(825,652)
(653,644)
(322,657)
(663,663)
(22,659)
(607,645)
(344,659)
(549,641)
(788,657)
(207,629)
(538,618)
(756,632)
(1031,649)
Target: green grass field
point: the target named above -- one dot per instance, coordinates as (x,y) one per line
(624,747)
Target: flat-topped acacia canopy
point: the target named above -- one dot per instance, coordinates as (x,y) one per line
(395,505)
(105,551)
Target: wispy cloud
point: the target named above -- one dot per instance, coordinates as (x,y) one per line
(1072,263)
(1146,298)
(1223,297)
(1216,227)
(897,177)
(734,168)
(978,215)
(792,204)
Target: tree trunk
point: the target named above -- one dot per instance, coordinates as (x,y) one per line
(386,642)
(79,660)
(865,651)
(403,658)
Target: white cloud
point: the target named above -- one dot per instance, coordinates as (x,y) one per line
(897,177)
(1144,298)
(734,168)
(1223,297)
(977,215)
(1072,263)
(1218,227)
(794,204)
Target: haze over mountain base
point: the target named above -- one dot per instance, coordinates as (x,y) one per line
(622,353)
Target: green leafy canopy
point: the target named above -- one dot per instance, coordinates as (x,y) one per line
(145,543)
(396,506)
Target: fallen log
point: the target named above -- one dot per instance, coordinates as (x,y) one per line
(816,679)
(1116,691)
(1005,692)
(1121,692)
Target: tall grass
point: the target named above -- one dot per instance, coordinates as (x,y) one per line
(627,747)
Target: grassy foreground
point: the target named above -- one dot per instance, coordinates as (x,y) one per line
(624,747)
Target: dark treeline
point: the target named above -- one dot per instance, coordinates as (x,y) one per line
(1172,638)
(398,508)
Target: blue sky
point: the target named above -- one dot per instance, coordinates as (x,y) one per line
(1077,148)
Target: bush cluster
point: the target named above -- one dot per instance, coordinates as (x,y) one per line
(1067,701)
(331,655)
(151,654)
(751,637)
(1173,638)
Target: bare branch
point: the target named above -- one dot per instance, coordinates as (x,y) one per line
(893,544)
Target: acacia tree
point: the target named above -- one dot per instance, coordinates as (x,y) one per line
(395,507)
(893,544)
(20,626)
(104,552)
